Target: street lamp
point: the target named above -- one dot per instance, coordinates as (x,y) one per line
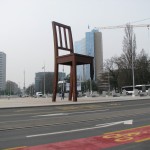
(91,86)
(44,78)
(63,79)
(108,83)
(24,88)
(10,88)
(132,68)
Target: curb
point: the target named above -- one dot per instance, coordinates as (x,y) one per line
(77,103)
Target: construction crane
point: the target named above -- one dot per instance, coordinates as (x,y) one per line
(124,26)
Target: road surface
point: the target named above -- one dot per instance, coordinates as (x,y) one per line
(112,126)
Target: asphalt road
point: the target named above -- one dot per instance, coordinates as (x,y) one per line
(25,127)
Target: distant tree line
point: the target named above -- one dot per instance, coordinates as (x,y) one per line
(10,89)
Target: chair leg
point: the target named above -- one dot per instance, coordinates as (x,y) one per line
(55,83)
(71,83)
(91,71)
(74,82)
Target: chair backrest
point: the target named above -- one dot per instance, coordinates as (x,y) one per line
(62,38)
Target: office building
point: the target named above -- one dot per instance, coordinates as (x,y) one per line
(2,71)
(91,45)
(39,81)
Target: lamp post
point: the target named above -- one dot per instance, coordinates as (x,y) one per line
(91,86)
(44,78)
(132,68)
(63,79)
(10,88)
(24,88)
(108,83)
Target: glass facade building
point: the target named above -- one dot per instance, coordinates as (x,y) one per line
(39,79)
(91,45)
(80,48)
(89,50)
(2,71)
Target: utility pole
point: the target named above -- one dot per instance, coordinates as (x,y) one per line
(132,67)
(44,78)
(24,84)
(84,79)
(108,83)
(10,88)
(63,79)
(91,86)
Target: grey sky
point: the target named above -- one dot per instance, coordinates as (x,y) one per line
(26,32)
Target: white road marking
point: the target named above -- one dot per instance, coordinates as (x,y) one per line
(61,114)
(83,129)
(47,115)
(115,123)
(101,110)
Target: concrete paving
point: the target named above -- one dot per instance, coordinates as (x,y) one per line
(32,102)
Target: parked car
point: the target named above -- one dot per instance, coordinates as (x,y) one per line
(39,94)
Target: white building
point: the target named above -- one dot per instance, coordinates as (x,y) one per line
(2,71)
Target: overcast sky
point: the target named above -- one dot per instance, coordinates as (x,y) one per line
(26,31)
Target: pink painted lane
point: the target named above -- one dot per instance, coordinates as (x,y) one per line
(98,142)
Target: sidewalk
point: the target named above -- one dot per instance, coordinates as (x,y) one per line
(31,102)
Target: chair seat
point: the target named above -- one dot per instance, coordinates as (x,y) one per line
(79,59)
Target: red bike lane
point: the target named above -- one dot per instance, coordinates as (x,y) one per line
(101,142)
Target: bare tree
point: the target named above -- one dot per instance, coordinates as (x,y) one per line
(142,68)
(120,68)
(126,58)
(108,79)
(129,48)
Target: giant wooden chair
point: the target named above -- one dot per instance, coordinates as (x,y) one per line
(63,41)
